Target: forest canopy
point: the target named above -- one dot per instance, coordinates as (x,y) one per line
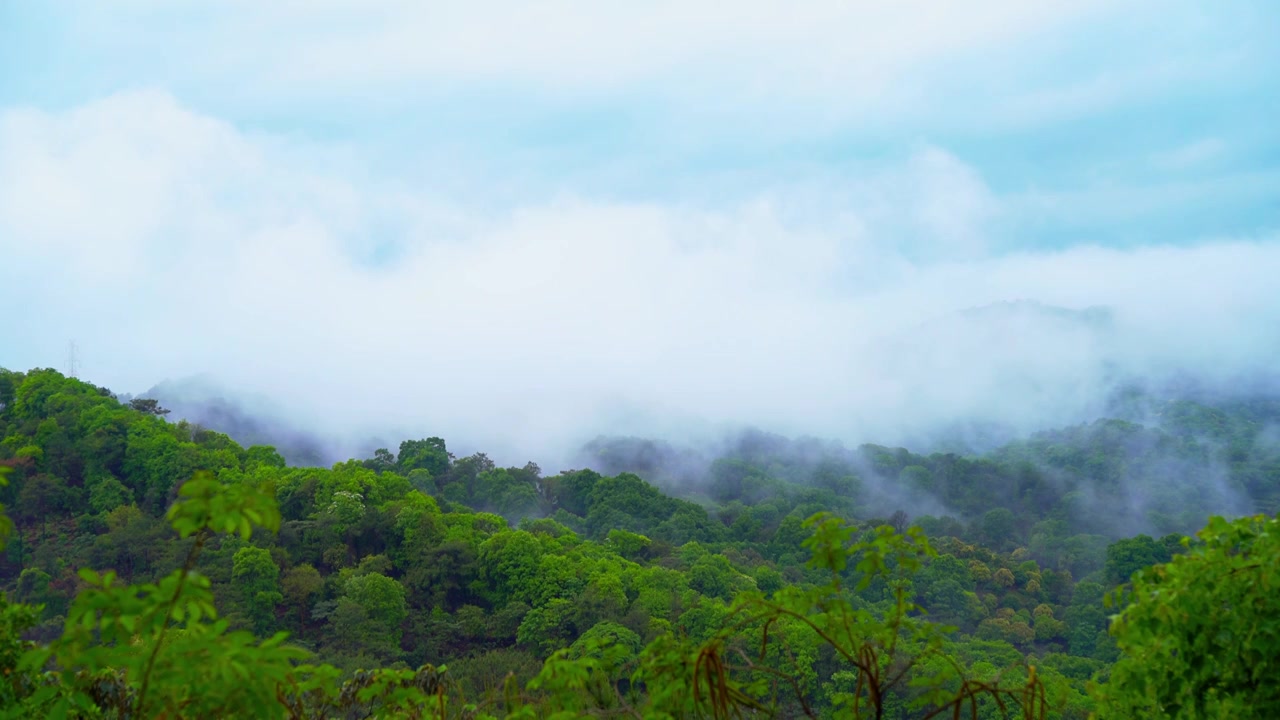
(156,568)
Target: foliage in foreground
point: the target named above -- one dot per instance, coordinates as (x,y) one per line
(160,650)
(1199,636)
(620,600)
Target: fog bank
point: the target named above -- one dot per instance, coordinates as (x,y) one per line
(167,244)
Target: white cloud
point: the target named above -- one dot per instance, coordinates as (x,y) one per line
(168,243)
(955,207)
(766,51)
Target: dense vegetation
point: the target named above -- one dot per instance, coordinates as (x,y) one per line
(793,578)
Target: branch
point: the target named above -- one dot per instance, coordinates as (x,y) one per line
(187,567)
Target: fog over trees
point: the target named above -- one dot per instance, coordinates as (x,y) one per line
(518,361)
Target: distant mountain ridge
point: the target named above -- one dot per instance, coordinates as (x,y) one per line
(247,420)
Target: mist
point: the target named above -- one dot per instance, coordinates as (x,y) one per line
(526,333)
(532,331)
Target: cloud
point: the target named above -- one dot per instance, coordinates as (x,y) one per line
(506,104)
(762,68)
(168,243)
(572,46)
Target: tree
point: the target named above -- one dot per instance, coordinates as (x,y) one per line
(15,621)
(997,527)
(917,478)
(1003,577)
(430,455)
(299,585)
(41,496)
(1125,557)
(571,490)
(713,576)
(603,600)
(735,618)
(33,588)
(9,382)
(509,493)
(895,660)
(1046,625)
(257,580)
(547,628)
(462,476)
(628,544)
(148,406)
(263,455)
(509,563)
(345,511)
(1200,635)
(381,461)
(946,600)
(444,574)
(159,650)
(369,615)
(106,493)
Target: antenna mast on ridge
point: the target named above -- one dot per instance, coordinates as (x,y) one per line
(73,360)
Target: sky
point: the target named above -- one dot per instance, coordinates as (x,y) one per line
(519,225)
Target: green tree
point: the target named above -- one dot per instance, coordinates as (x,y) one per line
(159,650)
(8,387)
(1199,636)
(369,615)
(148,406)
(263,455)
(106,492)
(256,578)
(430,455)
(509,562)
(298,586)
(572,490)
(997,527)
(713,576)
(547,628)
(603,600)
(628,544)
(1125,557)
(42,496)
(15,621)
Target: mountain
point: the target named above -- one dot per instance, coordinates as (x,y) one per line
(249,420)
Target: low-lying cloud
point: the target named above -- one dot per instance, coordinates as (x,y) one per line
(167,243)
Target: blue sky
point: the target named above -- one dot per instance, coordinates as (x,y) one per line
(780,162)
(1104,103)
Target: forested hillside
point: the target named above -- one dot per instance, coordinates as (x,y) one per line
(772,577)
(1160,466)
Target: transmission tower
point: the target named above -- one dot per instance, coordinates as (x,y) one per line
(73,360)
